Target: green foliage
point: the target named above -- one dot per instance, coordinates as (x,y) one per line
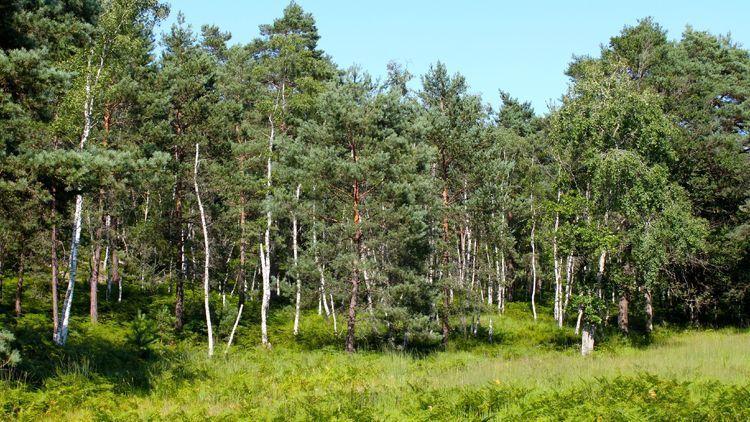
(428,200)
(143,334)
(9,357)
(530,371)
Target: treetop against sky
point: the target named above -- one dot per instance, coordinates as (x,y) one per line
(521,46)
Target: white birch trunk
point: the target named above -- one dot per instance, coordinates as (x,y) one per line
(333,312)
(587,339)
(62,332)
(556,261)
(323,299)
(206,258)
(266,259)
(568,281)
(490,283)
(88,104)
(234,328)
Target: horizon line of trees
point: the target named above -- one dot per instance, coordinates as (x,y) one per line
(264,172)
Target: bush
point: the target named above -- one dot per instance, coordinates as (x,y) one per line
(9,357)
(143,334)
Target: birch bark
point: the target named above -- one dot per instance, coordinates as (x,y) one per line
(206,257)
(62,333)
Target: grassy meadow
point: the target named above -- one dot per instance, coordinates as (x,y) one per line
(125,370)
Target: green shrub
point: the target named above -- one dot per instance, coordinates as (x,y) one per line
(9,357)
(142,334)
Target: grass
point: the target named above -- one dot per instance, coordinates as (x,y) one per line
(532,371)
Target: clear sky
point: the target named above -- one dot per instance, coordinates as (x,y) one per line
(519,46)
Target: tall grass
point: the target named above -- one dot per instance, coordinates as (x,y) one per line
(530,371)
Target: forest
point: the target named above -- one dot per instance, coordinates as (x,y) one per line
(193,227)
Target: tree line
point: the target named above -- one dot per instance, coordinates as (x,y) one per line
(262,172)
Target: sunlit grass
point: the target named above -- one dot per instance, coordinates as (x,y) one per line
(531,370)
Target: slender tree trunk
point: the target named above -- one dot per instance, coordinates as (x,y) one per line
(243,247)
(558,277)
(333,312)
(490,283)
(266,260)
(533,259)
(296,266)
(207,258)
(323,292)
(568,281)
(579,319)
(54,281)
(352,320)
(179,304)
(116,278)
(500,270)
(234,328)
(105,264)
(322,288)
(649,310)
(94,284)
(600,274)
(62,335)
(19,285)
(447,291)
(368,286)
(622,315)
(95,266)
(264,299)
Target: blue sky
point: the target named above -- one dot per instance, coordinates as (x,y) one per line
(521,46)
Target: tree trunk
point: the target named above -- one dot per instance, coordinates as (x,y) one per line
(206,258)
(95,266)
(368,286)
(296,266)
(490,283)
(447,291)
(568,281)
(234,328)
(587,339)
(266,260)
(502,284)
(352,320)
(622,314)
(19,285)
(179,304)
(323,298)
(108,228)
(558,278)
(103,272)
(533,259)
(116,277)
(333,312)
(94,284)
(62,334)
(579,319)
(54,281)
(649,310)
(241,274)
(266,295)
